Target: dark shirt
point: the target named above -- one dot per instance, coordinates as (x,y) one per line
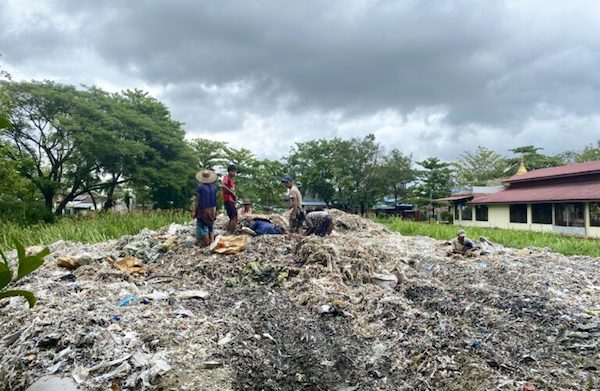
(207,194)
(207,203)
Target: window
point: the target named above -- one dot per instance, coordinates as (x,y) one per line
(595,214)
(467,212)
(541,213)
(518,213)
(569,215)
(481,213)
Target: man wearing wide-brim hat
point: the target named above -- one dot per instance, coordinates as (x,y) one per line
(205,206)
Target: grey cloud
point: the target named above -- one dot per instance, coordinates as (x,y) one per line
(482,65)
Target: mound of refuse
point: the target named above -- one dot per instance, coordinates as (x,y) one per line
(362,309)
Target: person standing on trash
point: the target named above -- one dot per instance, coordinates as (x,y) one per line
(205,207)
(294,198)
(246,208)
(229,196)
(319,223)
(461,244)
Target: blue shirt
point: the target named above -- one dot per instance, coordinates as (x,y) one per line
(207,193)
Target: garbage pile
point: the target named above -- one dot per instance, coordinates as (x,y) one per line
(363,309)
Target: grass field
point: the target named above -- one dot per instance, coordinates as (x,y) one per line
(566,245)
(88,229)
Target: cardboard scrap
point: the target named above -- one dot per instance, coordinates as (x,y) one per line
(68,262)
(229,244)
(131,265)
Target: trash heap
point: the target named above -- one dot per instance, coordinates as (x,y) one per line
(363,309)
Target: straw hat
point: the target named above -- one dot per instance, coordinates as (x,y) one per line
(206,176)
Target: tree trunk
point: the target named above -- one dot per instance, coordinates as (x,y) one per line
(63,203)
(109,196)
(93,201)
(48,198)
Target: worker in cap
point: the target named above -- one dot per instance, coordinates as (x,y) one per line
(461,244)
(246,208)
(294,199)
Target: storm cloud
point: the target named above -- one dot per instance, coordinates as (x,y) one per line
(429,78)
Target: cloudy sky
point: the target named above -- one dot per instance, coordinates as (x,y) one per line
(431,78)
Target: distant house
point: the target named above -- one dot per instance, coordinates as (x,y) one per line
(564,199)
(390,207)
(84,204)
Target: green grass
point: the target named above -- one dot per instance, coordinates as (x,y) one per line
(88,229)
(567,245)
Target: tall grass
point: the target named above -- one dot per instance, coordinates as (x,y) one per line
(567,245)
(88,229)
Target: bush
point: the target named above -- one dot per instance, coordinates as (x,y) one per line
(447,216)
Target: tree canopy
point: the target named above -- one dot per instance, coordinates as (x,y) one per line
(58,142)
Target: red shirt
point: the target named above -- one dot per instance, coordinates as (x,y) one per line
(227,195)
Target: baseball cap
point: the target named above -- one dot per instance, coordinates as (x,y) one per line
(461,233)
(287,178)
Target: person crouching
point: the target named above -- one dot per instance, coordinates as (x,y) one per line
(318,223)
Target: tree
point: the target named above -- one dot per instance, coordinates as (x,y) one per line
(314,165)
(265,188)
(479,168)
(43,133)
(341,172)
(397,173)
(362,164)
(153,154)
(208,153)
(436,180)
(532,158)
(589,153)
(80,141)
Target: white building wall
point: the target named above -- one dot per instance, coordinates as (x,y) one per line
(499,217)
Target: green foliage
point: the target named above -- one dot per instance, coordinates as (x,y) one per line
(589,153)
(532,158)
(479,168)
(346,173)
(317,166)
(567,245)
(264,188)
(397,175)
(76,141)
(208,153)
(27,265)
(4,122)
(435,180)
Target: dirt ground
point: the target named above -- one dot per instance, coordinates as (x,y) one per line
(364,309)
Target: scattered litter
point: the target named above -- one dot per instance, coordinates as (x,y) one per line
(385,280)
(126,300)
(192,294)
(362,309)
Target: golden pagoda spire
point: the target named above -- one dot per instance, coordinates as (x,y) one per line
(522,169)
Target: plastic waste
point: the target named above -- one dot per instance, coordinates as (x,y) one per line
(126,300)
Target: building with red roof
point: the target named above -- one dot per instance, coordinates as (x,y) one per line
(564,199)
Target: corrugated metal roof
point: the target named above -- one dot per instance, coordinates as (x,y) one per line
(580,191)
(557,172)
(457,197)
